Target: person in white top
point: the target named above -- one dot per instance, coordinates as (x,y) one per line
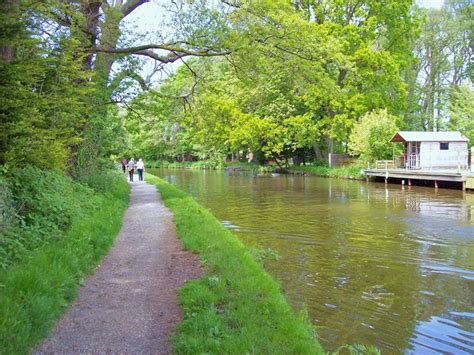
(140,168)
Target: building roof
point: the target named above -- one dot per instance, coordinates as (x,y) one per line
(413,136)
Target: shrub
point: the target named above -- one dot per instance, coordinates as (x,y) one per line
(7,214)
(101,181)
(370,136)
(42,205)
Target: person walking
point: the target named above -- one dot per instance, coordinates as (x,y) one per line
(131,169)
(124,163)
(140,168)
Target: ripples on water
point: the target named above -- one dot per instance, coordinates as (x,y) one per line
(388,266)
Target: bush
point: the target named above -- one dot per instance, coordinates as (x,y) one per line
(42,205)
(36,289)
(7,214)
(370,138)
(101,181)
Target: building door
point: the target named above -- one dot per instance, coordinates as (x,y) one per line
(413,161)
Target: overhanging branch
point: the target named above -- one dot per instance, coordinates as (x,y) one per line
(175,54)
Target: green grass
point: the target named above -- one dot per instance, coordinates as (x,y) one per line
(235,307)
(35,291)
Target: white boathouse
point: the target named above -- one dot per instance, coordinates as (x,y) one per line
(428,157)
(433,150)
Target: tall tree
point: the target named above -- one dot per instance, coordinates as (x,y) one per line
(42,86)
(301,75)
(461,112)
(443,51)
(348,56)
(87,34)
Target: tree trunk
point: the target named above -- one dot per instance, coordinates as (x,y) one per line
(11,10)
(320,156)
(91,12)
(92,146)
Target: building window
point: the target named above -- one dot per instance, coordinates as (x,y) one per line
(444,146)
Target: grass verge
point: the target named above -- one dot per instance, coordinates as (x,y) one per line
(35,291)
(235,307)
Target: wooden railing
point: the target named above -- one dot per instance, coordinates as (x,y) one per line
(385,164)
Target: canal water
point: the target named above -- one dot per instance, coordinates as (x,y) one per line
(373,264)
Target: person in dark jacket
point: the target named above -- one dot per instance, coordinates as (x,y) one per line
(124,163)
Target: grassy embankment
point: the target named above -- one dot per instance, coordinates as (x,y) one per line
(343,172)
(235,307)
(57,232)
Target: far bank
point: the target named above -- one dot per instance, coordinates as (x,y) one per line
(353,171)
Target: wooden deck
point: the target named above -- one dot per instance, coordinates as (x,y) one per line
(465,177)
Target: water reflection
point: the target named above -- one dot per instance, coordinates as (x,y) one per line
(374,264)
(441,334)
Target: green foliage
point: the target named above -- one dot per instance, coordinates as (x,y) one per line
(42,205)
(461,116)
(35,290)
(43,89)
(370,138)
(235,307)
(7,212)
(295,82)
(103,137)
(443,53)
(200,165)
(213,165)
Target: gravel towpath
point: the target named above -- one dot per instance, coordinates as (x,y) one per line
(130,306)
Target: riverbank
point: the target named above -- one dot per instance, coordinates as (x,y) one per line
(343,172)
(235,307)
(65,230)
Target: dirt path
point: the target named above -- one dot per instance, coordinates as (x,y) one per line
(129,305)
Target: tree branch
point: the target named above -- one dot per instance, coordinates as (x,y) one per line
(233,3)
(127,74)
(131,5)
(175,54)
(168,47)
